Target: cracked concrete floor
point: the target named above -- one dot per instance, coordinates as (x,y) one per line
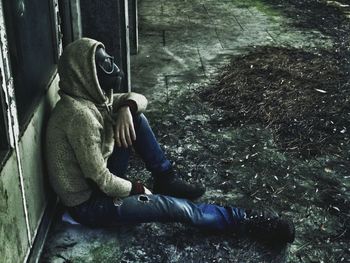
(183,45)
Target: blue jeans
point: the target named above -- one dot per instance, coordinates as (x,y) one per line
(146,146)
(101,210)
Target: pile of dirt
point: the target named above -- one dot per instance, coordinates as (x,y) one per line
(303,97)
(327,17)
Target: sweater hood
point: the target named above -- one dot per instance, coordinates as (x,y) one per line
(77,71)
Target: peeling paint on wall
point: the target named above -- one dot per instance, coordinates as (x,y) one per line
(5,73)
(12,119)
(23,197)
(13,233)
(3,199)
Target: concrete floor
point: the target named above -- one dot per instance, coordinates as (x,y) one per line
(183,45)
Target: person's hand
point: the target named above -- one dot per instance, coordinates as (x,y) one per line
(124,132)
(138,188)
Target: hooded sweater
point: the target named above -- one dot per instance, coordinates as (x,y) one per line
(80,133)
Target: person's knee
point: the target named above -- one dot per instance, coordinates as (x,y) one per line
(137,118)
(159,201)
(135,200)
(140,120)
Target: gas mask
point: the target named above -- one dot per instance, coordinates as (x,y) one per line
(108,74)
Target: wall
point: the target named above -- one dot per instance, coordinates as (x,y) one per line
(13,236)
(32,157)
(15,242)
(133,27)
(24,191)
(108,22)
(24,187)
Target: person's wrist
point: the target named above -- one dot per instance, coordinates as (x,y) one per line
(131,104)
(124,107)
(137,188)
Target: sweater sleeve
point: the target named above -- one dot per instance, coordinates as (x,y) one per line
(120,99)
(84,135)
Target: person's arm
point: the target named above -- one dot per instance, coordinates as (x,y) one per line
(124,130)
(124,105)
(84,135)
(136,101)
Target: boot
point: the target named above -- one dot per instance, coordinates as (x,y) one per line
(268,227)
(170,183)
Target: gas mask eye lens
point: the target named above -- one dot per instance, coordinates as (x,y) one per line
(107,65)
(104,61)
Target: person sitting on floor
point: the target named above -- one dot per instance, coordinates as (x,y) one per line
(89,138)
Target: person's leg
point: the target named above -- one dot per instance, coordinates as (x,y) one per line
(167,181)
(118,162)
(147,146)
(101,211)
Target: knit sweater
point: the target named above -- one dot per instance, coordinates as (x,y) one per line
(80,134)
